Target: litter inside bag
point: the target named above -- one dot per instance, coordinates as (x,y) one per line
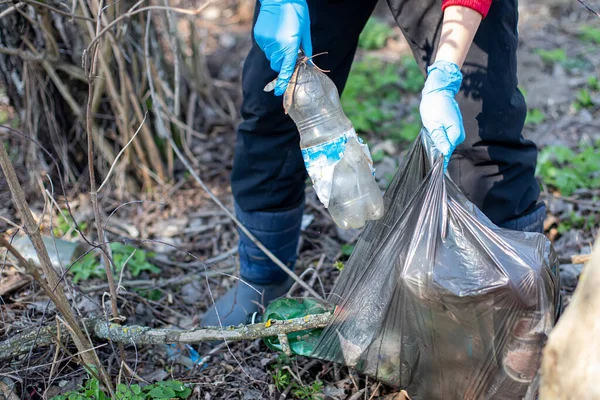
(439,301)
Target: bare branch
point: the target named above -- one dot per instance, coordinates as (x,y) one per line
(590,9)
(90,358)
(56,10)
(107,259)
(8,221)
(9,10)
(24,55)
(214,198)
(121,152)
(160,124)
(131,13)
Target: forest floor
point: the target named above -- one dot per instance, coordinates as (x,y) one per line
(559,70)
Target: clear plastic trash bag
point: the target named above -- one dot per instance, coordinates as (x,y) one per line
(437,300)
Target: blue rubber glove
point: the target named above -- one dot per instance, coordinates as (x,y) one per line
(282,28)
(440,113)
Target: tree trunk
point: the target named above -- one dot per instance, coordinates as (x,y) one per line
(571,362)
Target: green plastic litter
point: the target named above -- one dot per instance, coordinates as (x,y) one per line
(302,342)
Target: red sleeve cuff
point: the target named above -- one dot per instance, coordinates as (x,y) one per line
(481,6)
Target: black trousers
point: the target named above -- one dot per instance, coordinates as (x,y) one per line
(494,166)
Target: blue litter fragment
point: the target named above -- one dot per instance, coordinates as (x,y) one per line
(186,355)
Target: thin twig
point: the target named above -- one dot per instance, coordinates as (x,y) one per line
(589,204)
(56,10)
(123,270)
(245,230)
(375,391)
(24,55)
(201,183)
(183,125)
(11,9)
(60,178)
(57,296)
(107,259)
(121,152)
(157,284)
(131,13)
(56,352)
(176,66)
(8,221)
(156,106)
(590,9)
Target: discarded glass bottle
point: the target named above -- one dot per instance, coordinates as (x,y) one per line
(301,342)
(337,161)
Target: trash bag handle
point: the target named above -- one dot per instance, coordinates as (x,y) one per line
(436,161)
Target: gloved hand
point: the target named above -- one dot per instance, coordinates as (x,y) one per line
(440,113)
(282,27)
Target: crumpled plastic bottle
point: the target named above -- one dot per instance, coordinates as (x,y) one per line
(337,161)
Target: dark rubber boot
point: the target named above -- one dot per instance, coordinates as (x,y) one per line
(242,300)
(277,231)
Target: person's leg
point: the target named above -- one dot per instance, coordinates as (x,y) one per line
(268,171)
(495,165)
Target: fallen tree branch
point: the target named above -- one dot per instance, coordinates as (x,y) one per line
(47,335)
(143,335)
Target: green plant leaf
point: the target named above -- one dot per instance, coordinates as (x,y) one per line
(590,34)
(552,56)
(535,117)
(3,116)
(378,156)
(374,35)
(185,393)
(177,386)
(308,392)
(282,379)
(161,392)
(347,249)
(583,99)
(562,168)
(372,89)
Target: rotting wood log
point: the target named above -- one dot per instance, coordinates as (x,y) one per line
(571,358)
